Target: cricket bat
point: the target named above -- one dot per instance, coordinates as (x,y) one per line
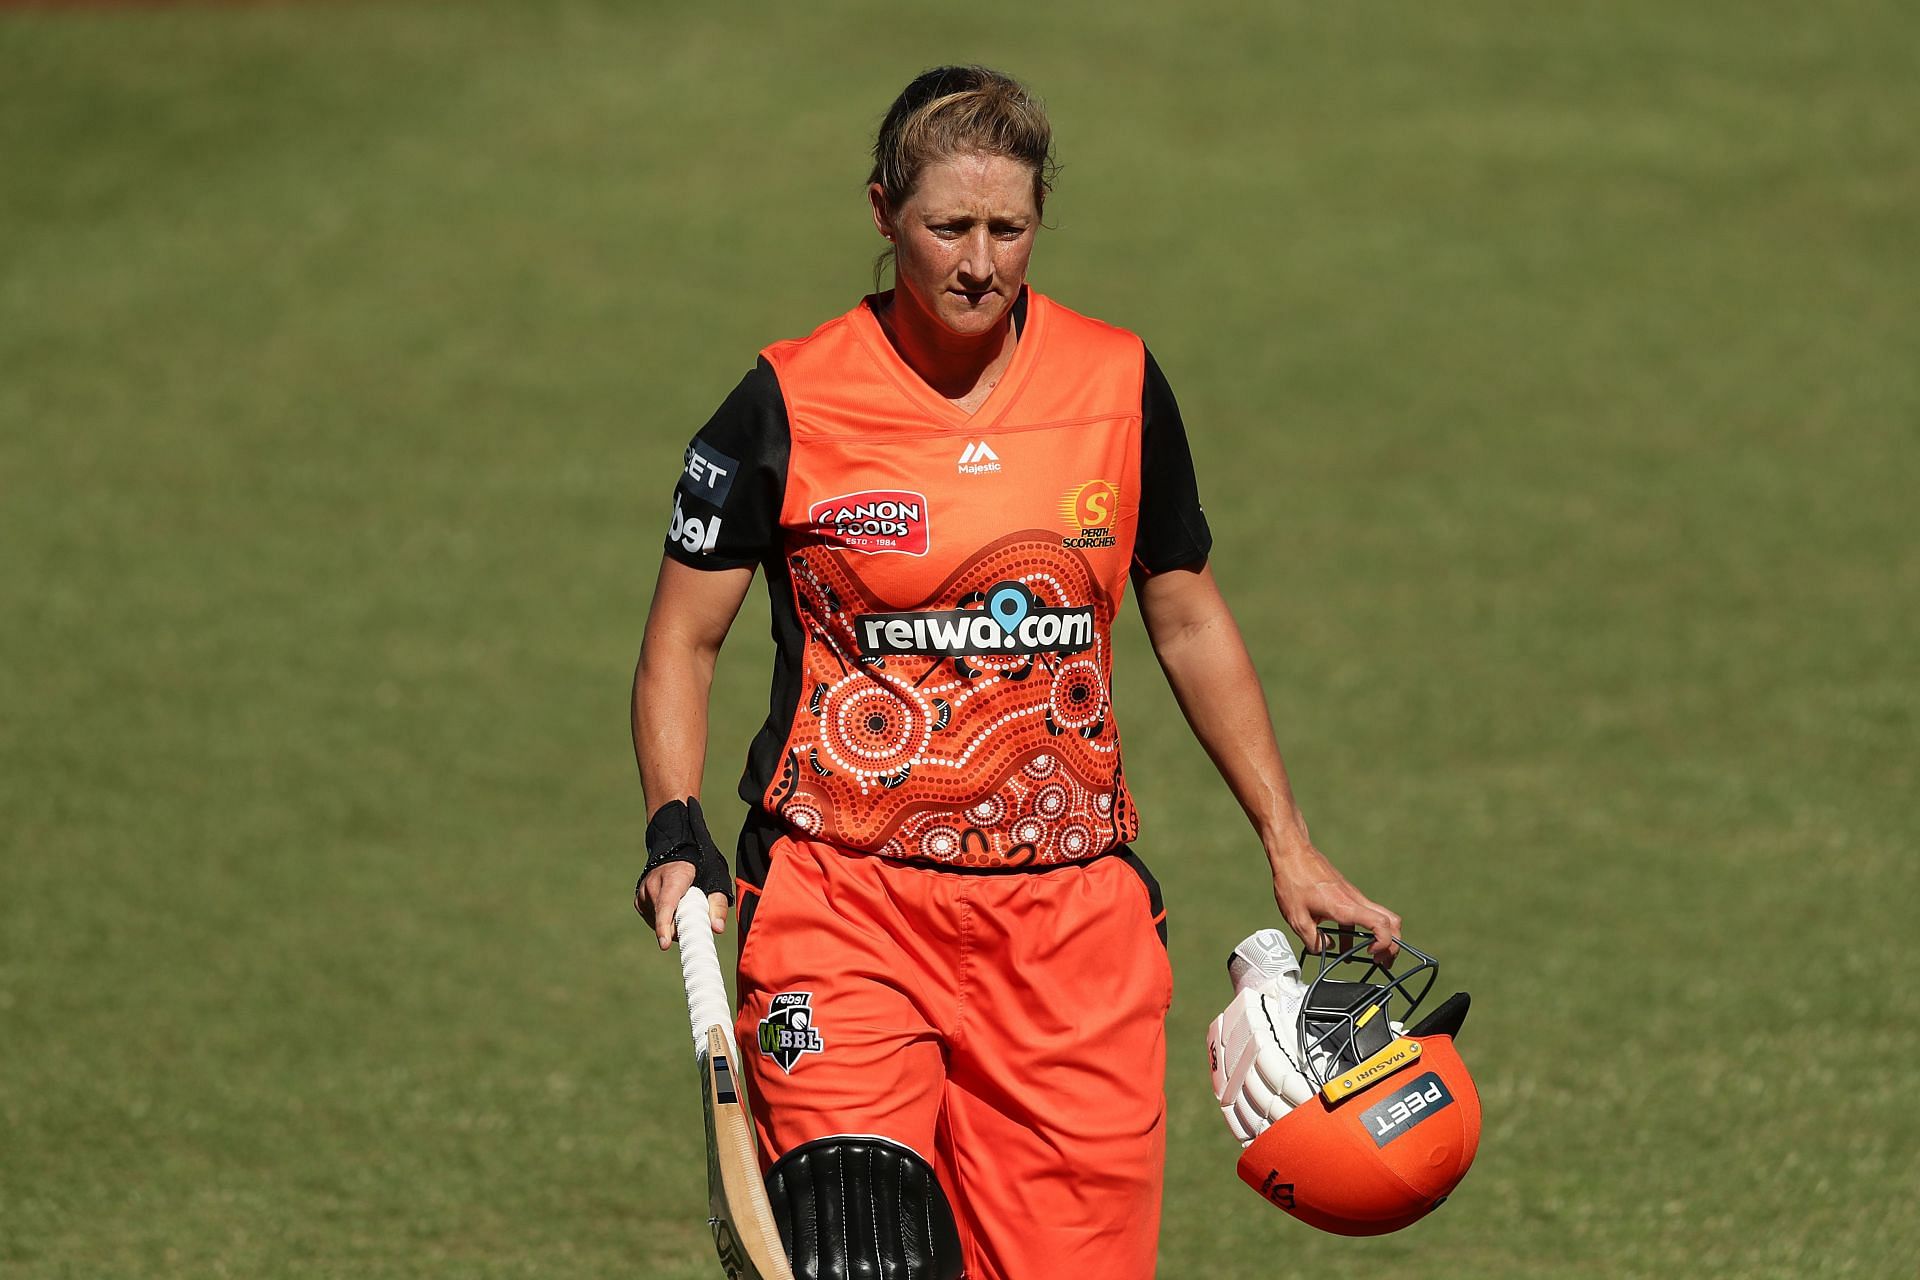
(744,1233)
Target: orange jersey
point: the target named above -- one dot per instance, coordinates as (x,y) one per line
(944,585)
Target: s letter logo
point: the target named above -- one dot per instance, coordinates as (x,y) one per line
(1090,510)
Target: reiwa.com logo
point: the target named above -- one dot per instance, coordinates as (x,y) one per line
(873,520)
(1007,618)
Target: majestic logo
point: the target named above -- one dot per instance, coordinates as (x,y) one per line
(1005,619)
(1388,1120)
(707,474)
(978,458)
(695,533)
(874,520)
(1090,510)
(787,1032)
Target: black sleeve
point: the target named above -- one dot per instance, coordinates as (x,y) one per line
(1173,529)
(733,477)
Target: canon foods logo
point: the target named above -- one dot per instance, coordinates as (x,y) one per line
(1011,621)
(874,520)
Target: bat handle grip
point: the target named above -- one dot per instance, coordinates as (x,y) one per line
(707,1002)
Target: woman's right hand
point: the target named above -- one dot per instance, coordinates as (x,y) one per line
(656,896)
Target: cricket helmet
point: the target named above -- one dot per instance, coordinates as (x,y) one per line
(1395,1120)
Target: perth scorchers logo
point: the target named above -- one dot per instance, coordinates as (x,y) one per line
(874,520)
(1090,511)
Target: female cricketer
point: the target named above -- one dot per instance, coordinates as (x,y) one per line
(952,978)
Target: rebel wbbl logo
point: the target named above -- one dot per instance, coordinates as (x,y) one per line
(788,1031)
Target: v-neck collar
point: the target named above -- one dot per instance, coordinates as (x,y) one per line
(1005,392)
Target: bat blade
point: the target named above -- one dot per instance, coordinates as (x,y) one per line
(744,1233)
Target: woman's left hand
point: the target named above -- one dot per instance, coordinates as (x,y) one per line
(1309,889)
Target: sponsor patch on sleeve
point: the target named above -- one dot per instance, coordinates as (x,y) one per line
(695,533)
(707,474)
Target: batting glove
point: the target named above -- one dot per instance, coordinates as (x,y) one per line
(678,833)
(1254,1045)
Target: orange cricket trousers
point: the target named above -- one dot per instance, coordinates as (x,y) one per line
(1008,1027)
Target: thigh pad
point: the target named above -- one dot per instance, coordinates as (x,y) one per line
(852,1207)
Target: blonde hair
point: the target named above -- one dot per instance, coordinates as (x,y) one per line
(956,111)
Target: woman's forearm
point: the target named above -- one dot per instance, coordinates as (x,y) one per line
(671,684)
(1213,679)
(692,610)
(1206,661)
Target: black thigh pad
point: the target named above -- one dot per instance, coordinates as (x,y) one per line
(859,1208)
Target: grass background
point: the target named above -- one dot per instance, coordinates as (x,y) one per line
(1551,375)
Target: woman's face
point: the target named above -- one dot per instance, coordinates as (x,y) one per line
(962,239)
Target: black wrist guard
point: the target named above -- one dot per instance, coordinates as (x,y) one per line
(678,833)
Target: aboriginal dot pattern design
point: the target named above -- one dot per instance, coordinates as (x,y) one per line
(977,760)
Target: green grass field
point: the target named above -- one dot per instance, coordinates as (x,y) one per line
(1552,376)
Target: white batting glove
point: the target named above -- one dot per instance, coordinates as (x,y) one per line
(1254,1046)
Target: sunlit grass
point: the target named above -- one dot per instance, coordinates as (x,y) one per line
(1551,379)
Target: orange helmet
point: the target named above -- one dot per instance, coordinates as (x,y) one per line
(1395,1121)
